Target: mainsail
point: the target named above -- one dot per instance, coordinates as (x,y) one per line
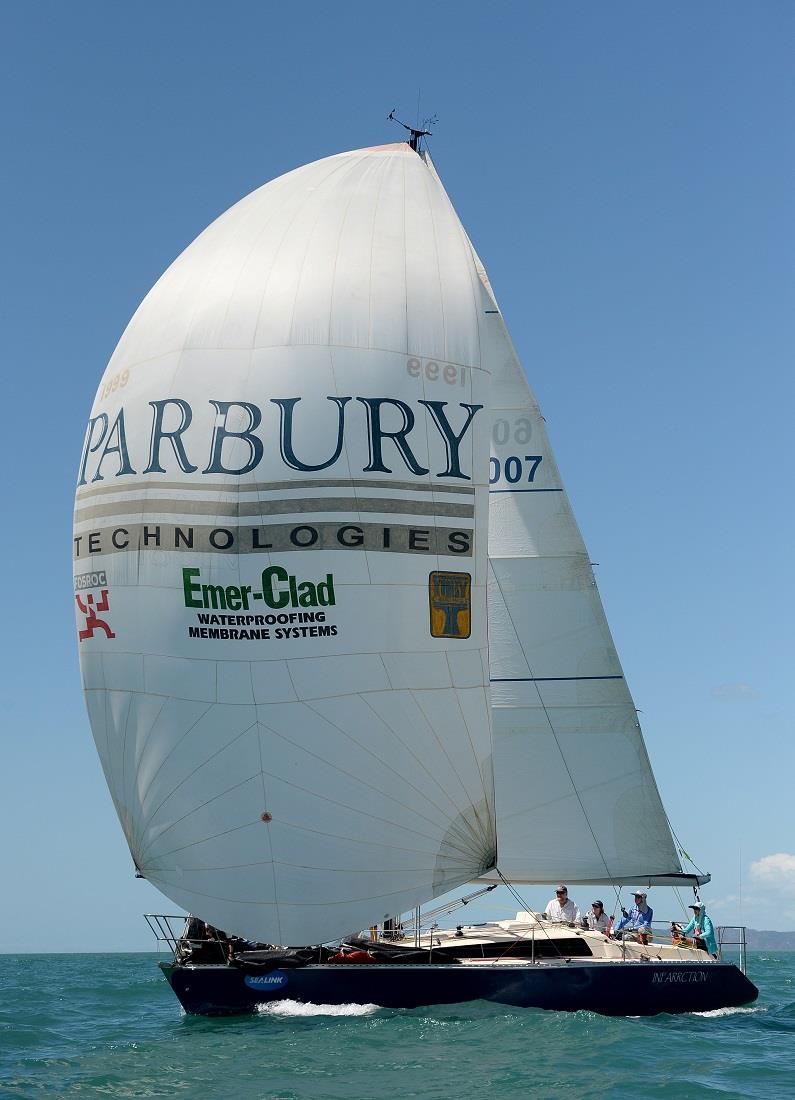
(280,558)
(576,797)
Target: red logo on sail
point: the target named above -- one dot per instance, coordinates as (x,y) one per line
(90,609)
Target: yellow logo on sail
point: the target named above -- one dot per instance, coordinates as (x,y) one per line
(450,597)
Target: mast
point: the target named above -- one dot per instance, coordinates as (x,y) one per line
(415,136)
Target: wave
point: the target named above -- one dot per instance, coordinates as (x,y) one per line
(713,1013)
(307,1008)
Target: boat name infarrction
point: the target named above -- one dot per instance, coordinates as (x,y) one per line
(680,976)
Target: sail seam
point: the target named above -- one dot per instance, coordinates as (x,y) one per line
(265,803)
(144,794)
(418,759)
(357,810)
(552,728)
(335,767)
(223,748)
(337,169)
(379,760)
(454,770)
(546,679)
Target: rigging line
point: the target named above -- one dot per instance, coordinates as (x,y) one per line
(681,847)
(520,900)
(680,900)
(551,725)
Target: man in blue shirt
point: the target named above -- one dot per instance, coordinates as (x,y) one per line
(637,922)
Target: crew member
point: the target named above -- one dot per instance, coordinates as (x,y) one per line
(561,907)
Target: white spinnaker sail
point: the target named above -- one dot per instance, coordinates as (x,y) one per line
(280,559)
(576,797)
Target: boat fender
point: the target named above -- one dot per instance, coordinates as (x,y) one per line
(352,957)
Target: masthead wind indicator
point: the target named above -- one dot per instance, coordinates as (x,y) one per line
(416,135)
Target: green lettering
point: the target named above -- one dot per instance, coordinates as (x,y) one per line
(189,587)
(307,595)
(271,597)
(325,591)
(215,594)
(233,601)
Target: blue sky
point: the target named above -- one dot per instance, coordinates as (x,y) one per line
(626,172)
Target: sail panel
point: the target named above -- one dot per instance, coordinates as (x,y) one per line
(576,796)
(280,559)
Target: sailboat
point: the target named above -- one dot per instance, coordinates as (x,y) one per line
(340,640)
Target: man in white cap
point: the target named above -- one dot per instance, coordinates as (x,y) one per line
(561,907)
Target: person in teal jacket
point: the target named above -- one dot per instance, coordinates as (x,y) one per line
(700,927)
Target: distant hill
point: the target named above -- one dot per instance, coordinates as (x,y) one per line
(769,941)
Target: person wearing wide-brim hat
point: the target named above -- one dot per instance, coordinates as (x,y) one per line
(700,928)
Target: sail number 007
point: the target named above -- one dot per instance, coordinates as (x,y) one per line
(513,468)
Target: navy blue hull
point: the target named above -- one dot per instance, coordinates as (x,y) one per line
(610,988)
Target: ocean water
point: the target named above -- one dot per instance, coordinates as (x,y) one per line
(109,1026)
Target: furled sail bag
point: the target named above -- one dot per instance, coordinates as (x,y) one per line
(280,558)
